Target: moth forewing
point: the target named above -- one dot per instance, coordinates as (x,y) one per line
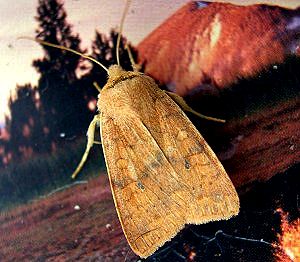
(162,172)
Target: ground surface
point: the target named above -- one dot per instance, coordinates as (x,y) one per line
(52,229)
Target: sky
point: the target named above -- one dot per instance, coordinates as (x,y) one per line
(85,15)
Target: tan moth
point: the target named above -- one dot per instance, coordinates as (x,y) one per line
(162,173)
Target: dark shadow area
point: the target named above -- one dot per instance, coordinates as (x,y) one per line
(251,236)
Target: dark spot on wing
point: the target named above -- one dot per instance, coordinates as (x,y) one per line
(154,164)
(118,183)
(196,149)
(158,160)
(144,175)
(140,185)
(159,156)
(187,164)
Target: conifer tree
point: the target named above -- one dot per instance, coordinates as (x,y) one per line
(61,104)
(25,123)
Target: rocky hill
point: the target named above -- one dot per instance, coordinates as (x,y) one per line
(211,45)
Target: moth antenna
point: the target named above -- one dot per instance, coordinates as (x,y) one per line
(135,66)
(120,31)
(66,49)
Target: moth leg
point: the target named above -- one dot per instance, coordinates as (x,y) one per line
(180,101)
(135,67)
(90,135)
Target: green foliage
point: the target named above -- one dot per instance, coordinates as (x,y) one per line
(19,183)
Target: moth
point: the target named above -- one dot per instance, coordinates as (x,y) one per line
(162,173)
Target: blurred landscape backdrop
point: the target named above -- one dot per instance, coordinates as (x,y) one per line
(43,137)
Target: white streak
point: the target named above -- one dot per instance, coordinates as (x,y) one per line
(215,31)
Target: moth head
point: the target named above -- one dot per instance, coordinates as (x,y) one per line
(116,74)
(115,71)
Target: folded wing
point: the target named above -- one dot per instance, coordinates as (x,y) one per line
(163,175)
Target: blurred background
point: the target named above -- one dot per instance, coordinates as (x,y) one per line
(47,101)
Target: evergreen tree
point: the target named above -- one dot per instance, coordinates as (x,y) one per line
(24,125)
(3,149)
(61,104)
(123,54)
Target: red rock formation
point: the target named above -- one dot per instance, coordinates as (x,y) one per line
(263,145)
(214,44)
(210,46)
